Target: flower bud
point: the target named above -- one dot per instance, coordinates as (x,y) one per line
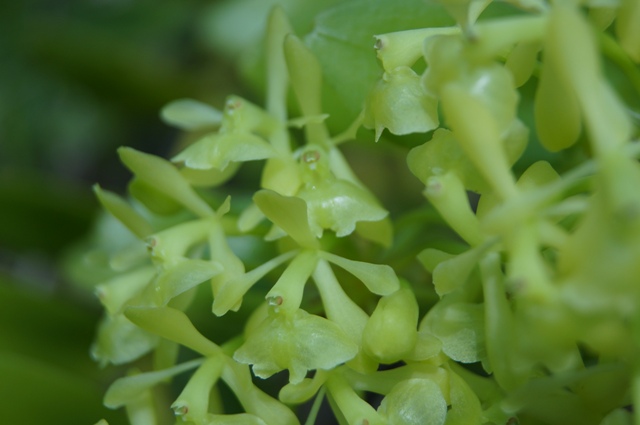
(390,333)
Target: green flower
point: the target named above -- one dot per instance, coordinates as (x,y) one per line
(298,342)
(399,103)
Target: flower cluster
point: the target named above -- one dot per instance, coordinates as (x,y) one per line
(536,314)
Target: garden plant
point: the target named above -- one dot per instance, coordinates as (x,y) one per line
(509,293)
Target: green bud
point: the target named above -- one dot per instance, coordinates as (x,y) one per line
(415,402)
(390,333)
(522,61)
(465,407)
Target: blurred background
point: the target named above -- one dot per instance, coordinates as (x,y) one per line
(78,78)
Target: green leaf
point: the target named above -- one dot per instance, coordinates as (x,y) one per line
(189,114)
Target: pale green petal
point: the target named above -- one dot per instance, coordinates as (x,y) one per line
(211,177)
(165,178)
(304,390)
(465,406)
(378,278)
(238,377)
(415,402)
(173,325)
(193,402)
(306,80)
(232,289)
(399,103)
(128,388)
(288,213)
(453,273)
(300,342)
(235,419)
(442,154)
(189,114)
(114,293)
(218,150)
(181,277)
(460,327)
(338,205)
(380,231)
(121,210)
(119,341)
(404,48)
